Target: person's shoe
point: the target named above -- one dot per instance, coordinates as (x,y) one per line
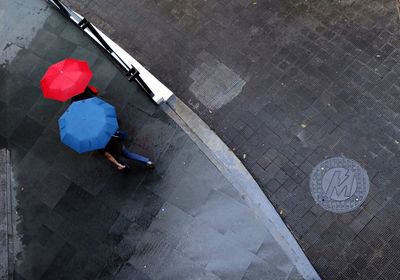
(126,168)
(150,165)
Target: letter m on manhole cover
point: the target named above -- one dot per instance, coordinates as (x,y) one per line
(339,184)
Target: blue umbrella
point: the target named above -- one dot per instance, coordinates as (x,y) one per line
(88,125)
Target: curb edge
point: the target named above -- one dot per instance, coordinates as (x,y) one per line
(235,172)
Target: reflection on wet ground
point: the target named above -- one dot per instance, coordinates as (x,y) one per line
(78,217)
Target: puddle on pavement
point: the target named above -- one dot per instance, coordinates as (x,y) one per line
(49,204)
(19,23)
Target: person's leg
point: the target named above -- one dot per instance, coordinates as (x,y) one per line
(133,156)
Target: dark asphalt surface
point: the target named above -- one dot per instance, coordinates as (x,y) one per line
(287,84)
(77,217)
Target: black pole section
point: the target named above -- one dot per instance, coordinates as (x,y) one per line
(131,72)
(143,85)
(86,24)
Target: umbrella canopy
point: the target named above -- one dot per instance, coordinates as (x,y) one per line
(66,79)
(88,125)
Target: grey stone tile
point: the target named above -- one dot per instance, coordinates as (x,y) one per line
(74,35)
(200,241)
(93,173)
(121,92)
(135,233)
(189,195)
(24,63)
(26,134)
(129,272)
(59,262)
(44,110)
(9,49)
(120,226)
(103,73)
(272,254)
(34,165)
(47,146)
(129,112)
(147,143)
(171,220)
(164,181)
(178,266)
(233,220)
(83,267)
(58,50)
(55,23)
(225,187)
(233,267)
(160,185)
(216,253)
(214,83)
(260,269)
(142,207)
(12,118)
(40,44)
(98,220)
(74,202)
(37,266)
(149,254)
(295,275)
(22,95)
(53,187)
(83,53)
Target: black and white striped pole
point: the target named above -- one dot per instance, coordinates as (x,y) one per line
(132,68)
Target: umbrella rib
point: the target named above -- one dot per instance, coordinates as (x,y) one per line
(75,77)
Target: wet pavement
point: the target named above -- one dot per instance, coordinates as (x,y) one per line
(77,217)
(4,214)
(287,84)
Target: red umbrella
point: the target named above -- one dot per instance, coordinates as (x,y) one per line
(66,79)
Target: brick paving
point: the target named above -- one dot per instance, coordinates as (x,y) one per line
(320,80)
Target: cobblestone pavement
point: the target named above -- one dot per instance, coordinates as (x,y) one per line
(77,217)
(287,84)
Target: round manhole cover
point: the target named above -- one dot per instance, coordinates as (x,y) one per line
(339,184)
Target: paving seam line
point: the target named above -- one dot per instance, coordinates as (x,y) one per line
(235,172)
(7,260)
(11,223)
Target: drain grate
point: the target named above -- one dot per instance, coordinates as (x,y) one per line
(339,184)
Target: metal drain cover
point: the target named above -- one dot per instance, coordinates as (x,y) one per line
(339,184)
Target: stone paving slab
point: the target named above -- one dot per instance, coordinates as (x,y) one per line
(321,81)
(244,184)
(79,218)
